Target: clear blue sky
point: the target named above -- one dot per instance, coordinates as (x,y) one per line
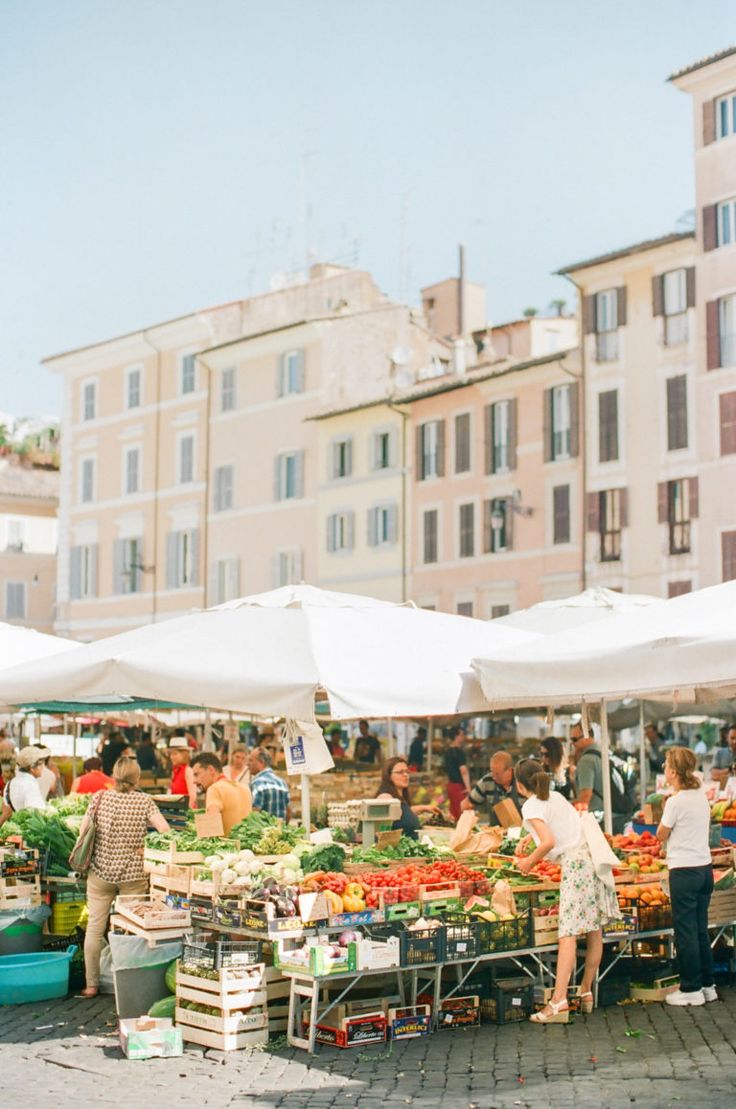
(151,150)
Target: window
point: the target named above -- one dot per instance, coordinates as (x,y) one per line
(226,580)
(464,608)
(674,295)
(290,373)
(340,528)
(610,525)
(497,516)
(608,426)
(726,222)
(726,116)
(383,450)
(430,536)
(182,558)
(227,390)
(728,555)
(500,436)
(288,567)
(131,477)
(561,422)
(15,535)
(606,325)
(678,515)
(83,572)
(87,492)
(727,330)
(431,450)
(187,373)
(561,514)
(462,443)
(679,588)
(186,459)
(677,413)
(128,565)
(466,546)
(342,458)
(133,389)
(290,476)
(223,488)
(89,400)
(15,600)
(727,415)
(383,525)
(497,611)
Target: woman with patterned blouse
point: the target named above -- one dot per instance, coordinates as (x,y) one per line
(122,816)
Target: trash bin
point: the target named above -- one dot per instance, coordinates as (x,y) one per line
(20,929)
(139,972)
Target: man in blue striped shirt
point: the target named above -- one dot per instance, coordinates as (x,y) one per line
(270,793)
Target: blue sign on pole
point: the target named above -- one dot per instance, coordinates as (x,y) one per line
(297,755)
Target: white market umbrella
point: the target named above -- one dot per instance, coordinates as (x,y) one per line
(20,644)
(569,613)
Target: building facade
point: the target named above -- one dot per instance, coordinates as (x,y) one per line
(29,501)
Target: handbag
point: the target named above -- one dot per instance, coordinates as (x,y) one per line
(80,856)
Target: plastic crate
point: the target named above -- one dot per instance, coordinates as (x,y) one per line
(654,917)
(221,953)
(75,891)
(613,990)
(66,916)
(462,941)
(510,1000)
(506,935)
(424,945)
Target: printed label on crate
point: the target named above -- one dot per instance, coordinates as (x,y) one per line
(407,1028)
(368,916)
(463,1017)
(625,926)
(355,1031)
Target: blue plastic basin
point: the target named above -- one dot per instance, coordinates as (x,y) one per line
(36,976)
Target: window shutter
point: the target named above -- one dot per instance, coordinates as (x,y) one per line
(372,527)
(462,443)
(621,306)
(419,453)
(172,560)
(663,502)
(488,439)
(623,507)
(513,431)
(440,448)
(727,420)
(393,523)
(589,324)
(693,498)
(547,424)
(608,426)
(658,295)
(118,566)
(277,478)
(393,448)
(487,527)
(712,335)
(280,375)
(351,530)
(348,457)
(194,541)
(676,412)
(593,511)
(93,554)
(301,371)
(75,573)
(215,596)
(331,533)
(690,286)
(509,523)
(709,122)
(710,227)
(574,420)
(299,478)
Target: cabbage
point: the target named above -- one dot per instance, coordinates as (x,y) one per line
(229,876)
(290,862)
(247,854)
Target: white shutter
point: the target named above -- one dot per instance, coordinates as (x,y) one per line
(194,555)
(299,475)
(15,600)
(118,556)
(277,471)
(393,523)
(75,573)
(214,596)
(393,449)
(348,457)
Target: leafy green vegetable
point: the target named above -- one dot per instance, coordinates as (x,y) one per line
(331,857)
(185,839)
(266,835)
(45,830)
(406,848)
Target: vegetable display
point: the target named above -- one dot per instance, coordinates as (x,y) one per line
(266,835)
(185,839)
(329,857)
(47,831)
(405,849)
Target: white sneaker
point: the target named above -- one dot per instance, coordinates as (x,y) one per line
(710,993)
(695,997)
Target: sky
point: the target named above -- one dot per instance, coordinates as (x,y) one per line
(160,156)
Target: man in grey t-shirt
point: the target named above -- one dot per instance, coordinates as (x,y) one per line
(589,776)
(724,759)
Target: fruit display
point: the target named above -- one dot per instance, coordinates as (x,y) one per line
(641,864)
(551,872)
(723,812)
(644,844)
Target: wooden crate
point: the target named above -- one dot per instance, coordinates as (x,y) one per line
(126,905)
(228,993)
(16,891)
(222,1041)
(722,909)
(228,1022)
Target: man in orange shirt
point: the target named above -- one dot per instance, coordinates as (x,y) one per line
(230,799)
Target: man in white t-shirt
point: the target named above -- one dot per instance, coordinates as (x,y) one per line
(22,791)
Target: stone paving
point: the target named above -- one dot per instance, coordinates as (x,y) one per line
(66,1053)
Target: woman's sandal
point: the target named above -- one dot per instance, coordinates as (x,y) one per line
(90,991)
(558,1013)
(586,1002)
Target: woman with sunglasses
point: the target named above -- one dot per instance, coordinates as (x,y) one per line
(395,784)
(554,760)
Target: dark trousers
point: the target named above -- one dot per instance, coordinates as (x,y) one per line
(690,890)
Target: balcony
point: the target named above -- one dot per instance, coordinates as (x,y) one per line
(606,346)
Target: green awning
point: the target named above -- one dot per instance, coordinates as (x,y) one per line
(112,705)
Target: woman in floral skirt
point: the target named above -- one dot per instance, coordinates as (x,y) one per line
(586,902)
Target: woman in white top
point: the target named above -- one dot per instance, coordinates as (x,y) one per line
(586,903)
(685,829)
(237,768)
(22,791)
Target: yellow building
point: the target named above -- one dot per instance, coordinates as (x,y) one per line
(28,539)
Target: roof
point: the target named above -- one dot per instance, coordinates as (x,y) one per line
(624,252)
(711,59)
(483,372)
(19,481)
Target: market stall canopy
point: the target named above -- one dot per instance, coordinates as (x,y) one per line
(568,613)
(682,650)
(19,644)
(270,654)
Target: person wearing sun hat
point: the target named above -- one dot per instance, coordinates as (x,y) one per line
(182,776)
(22,791)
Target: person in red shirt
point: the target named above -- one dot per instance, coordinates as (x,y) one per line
(93,780)
(182,775)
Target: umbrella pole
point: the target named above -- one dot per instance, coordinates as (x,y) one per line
(430,737)
(207,744)
(642,754)
(306,807)
(605,770)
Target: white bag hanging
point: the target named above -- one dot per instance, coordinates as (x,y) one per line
(305,748)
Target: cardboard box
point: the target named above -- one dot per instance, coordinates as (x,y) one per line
(507,813)
(410,1022)
(370,1028)
(459,1012)
(162,1041)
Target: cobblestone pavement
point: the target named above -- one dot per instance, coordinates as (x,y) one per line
(66,1053)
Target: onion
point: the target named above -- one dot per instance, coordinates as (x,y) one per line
(348,937)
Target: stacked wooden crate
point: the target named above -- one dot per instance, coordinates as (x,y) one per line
(20,881)
(222,1006)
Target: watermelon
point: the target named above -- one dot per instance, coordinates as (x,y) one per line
(163,1008)
(170,976)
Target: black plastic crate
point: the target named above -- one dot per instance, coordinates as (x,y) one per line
(200,909)
(510,1000)
(461,941)
(425,945)
(215,954)
(654,917)
(506,935)
(613,990)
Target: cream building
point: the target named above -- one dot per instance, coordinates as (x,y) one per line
(643,534)
(711,83)
(28,540)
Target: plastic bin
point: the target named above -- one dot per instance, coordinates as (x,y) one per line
(37,977)
(511,1000)
(66,916)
